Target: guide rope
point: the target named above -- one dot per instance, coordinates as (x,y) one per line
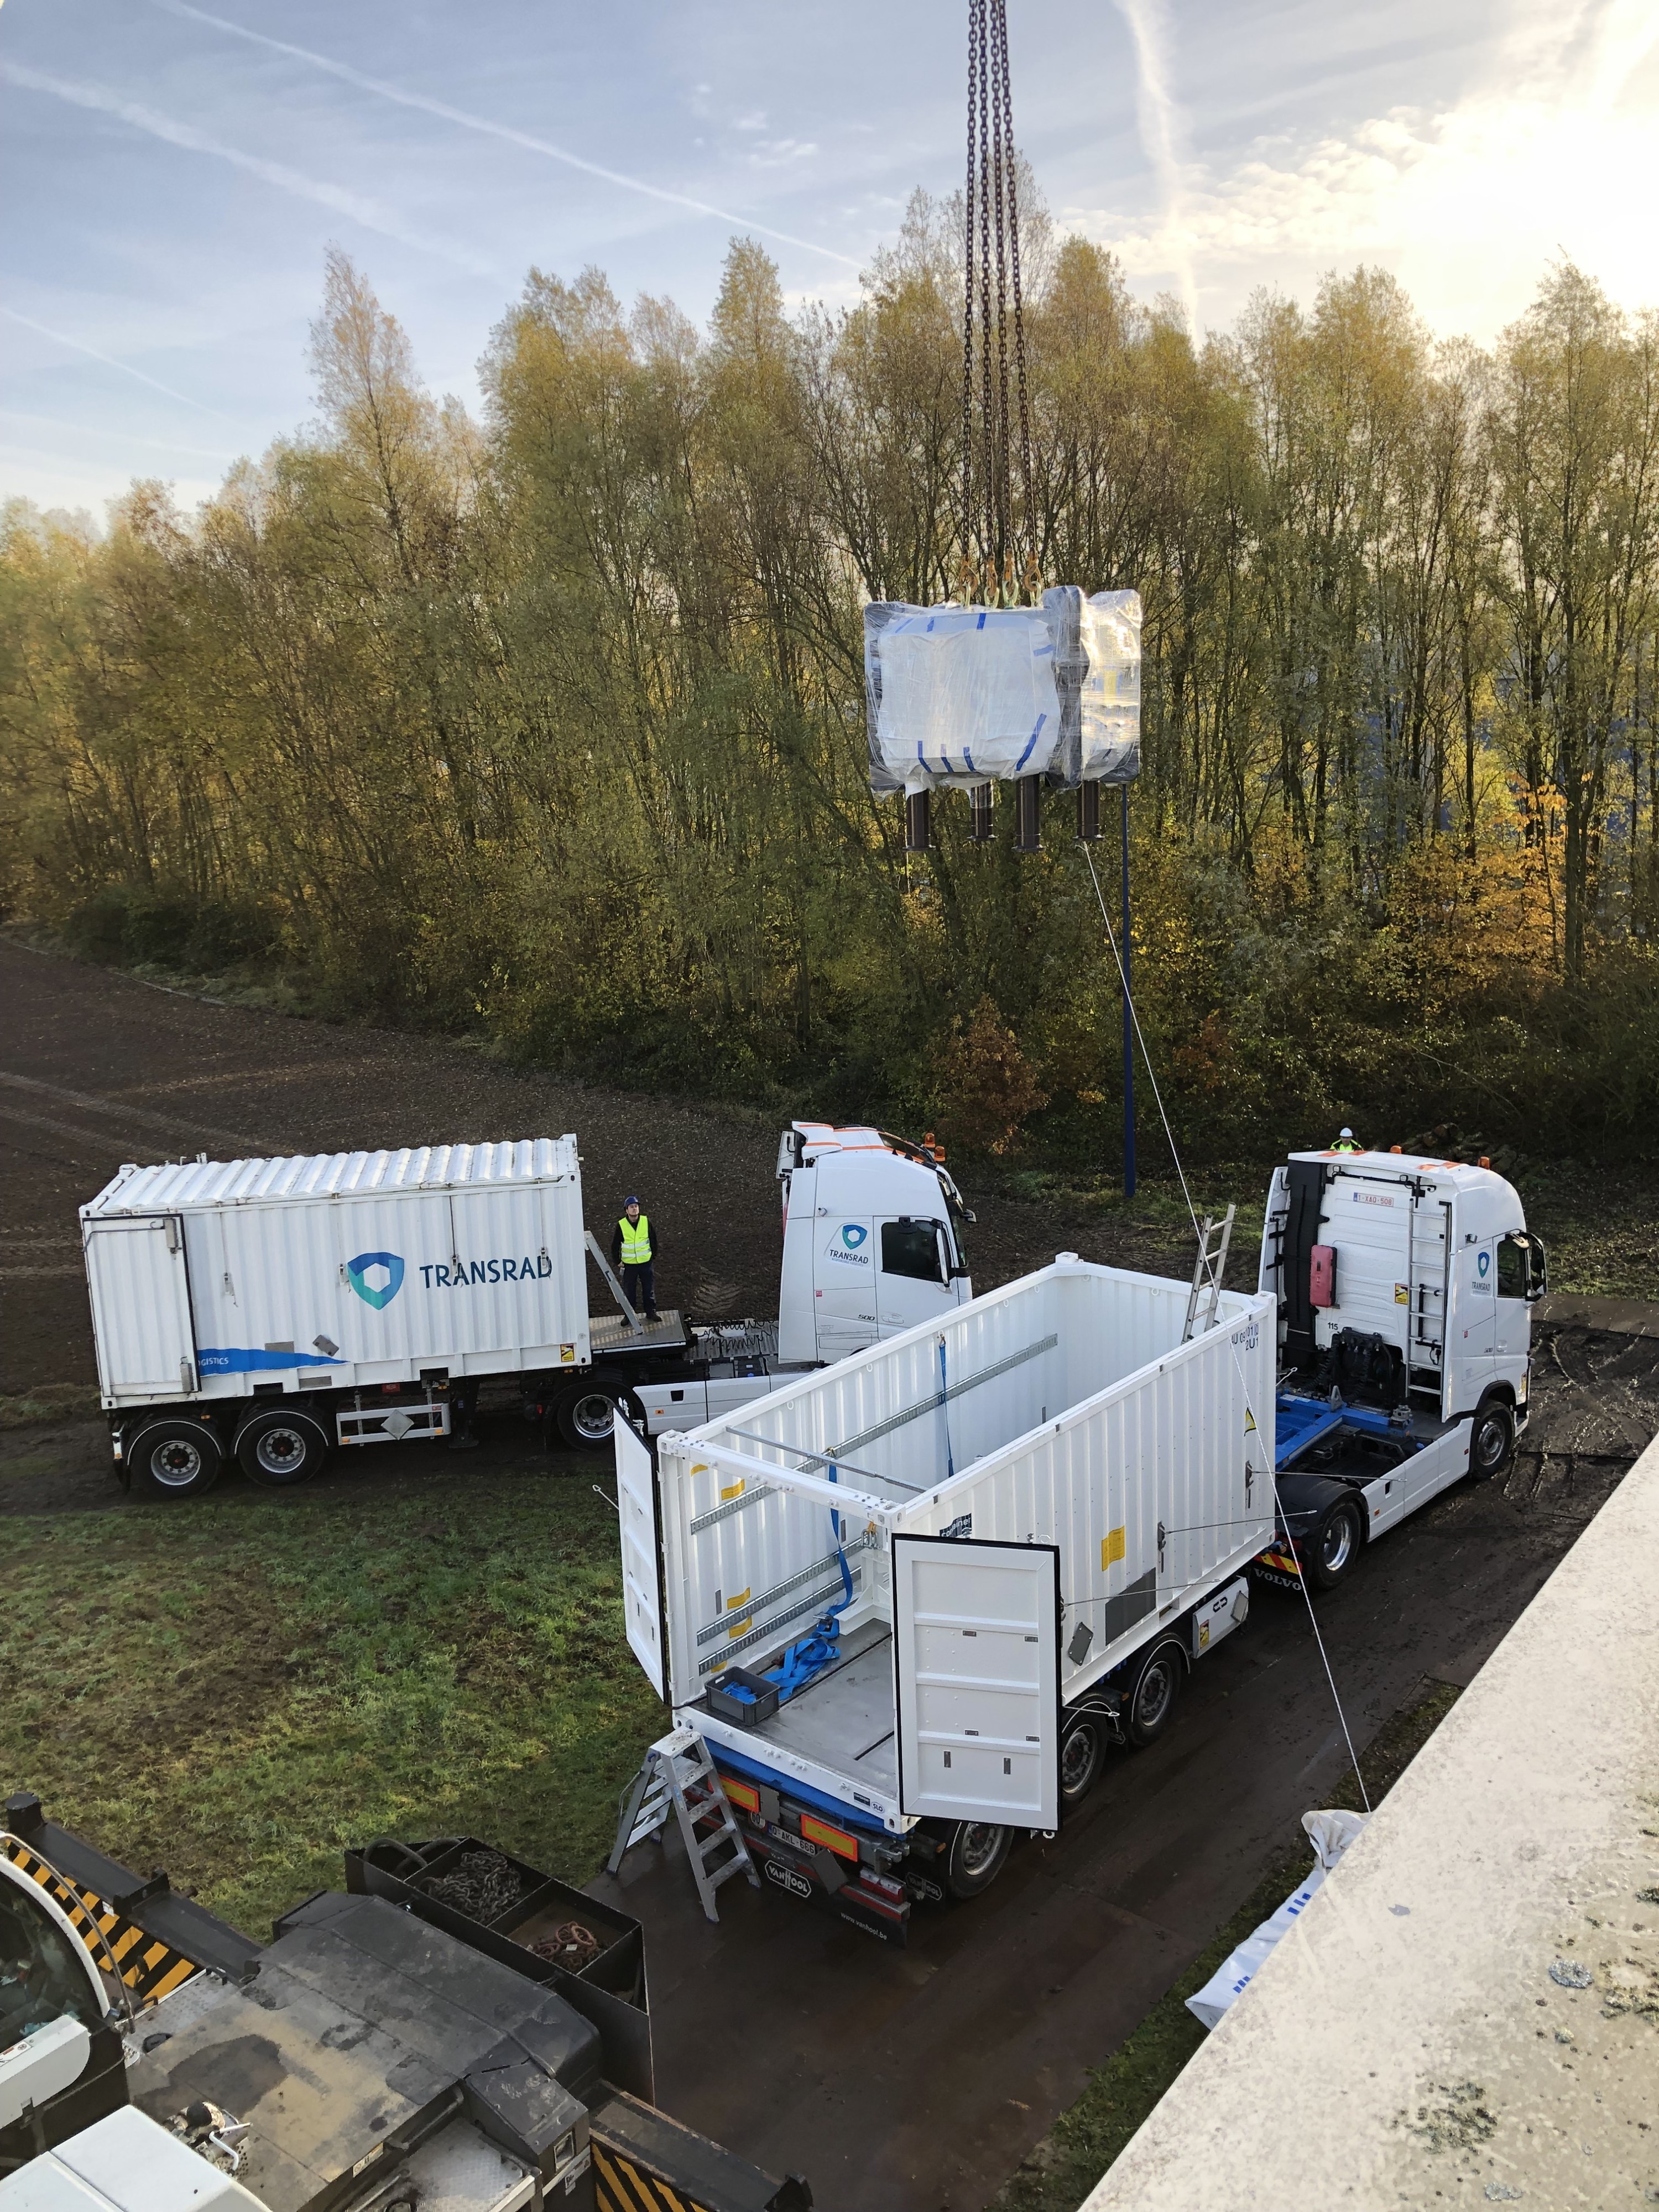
(1272,1471)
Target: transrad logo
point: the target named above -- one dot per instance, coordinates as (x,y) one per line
(783,1877)
(377,1277)
(845,1245)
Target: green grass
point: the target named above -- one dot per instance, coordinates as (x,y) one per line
(238,1692)
(1083,2142)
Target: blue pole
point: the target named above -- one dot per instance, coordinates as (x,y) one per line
(1128,1023)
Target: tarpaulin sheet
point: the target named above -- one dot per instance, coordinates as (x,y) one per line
(960,695)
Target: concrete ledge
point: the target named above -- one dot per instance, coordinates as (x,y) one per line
(1468,2012)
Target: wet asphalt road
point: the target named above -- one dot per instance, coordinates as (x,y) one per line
(898,2081)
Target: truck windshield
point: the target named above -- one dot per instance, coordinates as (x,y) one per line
(42,1975)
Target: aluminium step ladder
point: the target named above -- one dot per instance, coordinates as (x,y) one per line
(1207,1275)
(677,1775)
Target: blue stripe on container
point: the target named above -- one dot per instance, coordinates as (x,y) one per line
(1032,741)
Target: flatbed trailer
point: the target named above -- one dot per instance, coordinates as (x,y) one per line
(273,1311)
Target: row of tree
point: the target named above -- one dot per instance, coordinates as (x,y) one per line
(552,724)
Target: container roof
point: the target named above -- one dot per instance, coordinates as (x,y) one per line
(176,1183)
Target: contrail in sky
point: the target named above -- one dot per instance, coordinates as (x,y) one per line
(193,141)
(469,121)
(1159,120)
(79,345)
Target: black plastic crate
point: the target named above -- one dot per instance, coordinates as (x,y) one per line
(747,1712)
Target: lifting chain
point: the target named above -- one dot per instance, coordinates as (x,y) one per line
(990,568)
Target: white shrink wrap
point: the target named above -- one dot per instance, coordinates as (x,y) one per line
(961,695)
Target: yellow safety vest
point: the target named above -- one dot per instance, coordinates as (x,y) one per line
(635,1241)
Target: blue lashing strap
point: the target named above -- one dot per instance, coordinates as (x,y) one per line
(944,1408)
(809,1655)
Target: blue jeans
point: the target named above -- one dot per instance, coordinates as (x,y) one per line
(640,1287)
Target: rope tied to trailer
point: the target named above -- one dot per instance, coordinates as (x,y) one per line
(1281,1524)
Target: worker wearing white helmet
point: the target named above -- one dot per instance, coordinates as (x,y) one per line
(1347,1142)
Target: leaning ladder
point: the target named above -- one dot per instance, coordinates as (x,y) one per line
(678,1773)
(1208,1274)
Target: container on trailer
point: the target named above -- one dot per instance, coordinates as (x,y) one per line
(1005,1505)
(213,1280)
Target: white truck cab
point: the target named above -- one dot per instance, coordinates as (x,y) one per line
(871,1241)
(1432,1259)
(1406,1286)
(872,1245)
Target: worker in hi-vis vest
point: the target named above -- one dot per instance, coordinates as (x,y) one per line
(631,1249)
(1347,1142)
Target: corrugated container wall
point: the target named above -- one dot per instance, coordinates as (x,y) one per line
(337,1270)
(1063,1410)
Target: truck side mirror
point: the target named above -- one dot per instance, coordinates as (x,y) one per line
(1538,1270)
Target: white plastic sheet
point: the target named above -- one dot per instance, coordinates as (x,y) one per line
(961,695)
(1330,1833)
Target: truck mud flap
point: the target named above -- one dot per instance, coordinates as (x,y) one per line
(1278,1566)
(821,1881)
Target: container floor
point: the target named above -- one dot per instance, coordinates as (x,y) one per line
(844,1720)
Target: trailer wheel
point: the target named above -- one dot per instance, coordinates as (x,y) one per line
(1080,1753)
(1493,1444)
(1157,1686)
(279,1448)
(1328,1556)
(174,1459)
(587,1416)
(979,1851)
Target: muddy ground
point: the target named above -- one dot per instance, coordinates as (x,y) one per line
(896,2082)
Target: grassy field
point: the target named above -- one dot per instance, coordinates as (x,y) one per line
(1083,2141)
(239,1690)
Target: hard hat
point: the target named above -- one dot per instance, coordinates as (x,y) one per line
(632,1198)
(1346,1132)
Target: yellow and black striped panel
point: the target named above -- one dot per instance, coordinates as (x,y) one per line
(621,2186)
(150,1968)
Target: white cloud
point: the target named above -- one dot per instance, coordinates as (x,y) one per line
(1553,152)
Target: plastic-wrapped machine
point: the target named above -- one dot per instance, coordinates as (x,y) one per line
(965,696)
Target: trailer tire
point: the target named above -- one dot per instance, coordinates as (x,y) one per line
(979,1851)
(278,1447)
(1327,1557)
(1081,1752)
(1158,1686)
(174,1459)
(578,1420)
(1491,1446)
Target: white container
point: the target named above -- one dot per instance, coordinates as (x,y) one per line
(210,1278)
(1027,1492)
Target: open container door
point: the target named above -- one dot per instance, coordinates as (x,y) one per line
(140,1289)
(976,1659)
(636,1504)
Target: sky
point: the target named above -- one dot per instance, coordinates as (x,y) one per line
(172,175)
